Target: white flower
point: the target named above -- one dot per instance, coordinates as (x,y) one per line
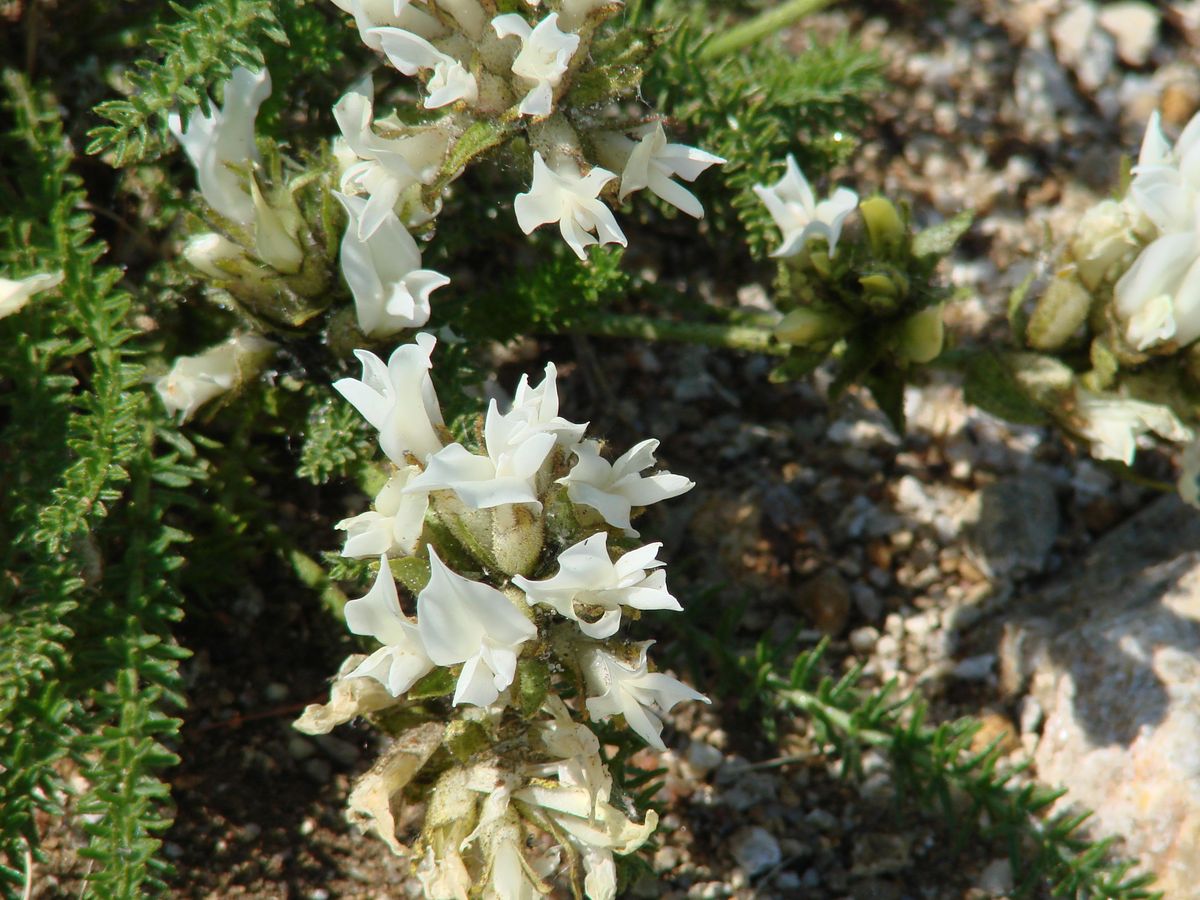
(570,199)
(795,209)
(463,621)
(1166,180)
(411,53)
(398,399)
(391,290)
(652,163)
(588,578)
(14,294)
(370,14)
(545,54)
(393,527)
(1158,298)
(1113,424)
(639,695)
(387,166)
(506,474)
(402,659)
(223,138)
(613,490)
(194,380)
(537,409)
(1105,240)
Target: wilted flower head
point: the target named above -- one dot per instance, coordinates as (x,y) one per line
(795,209)
(570,199)
(1112,424)
(195,380)
(223,138)
(15,293)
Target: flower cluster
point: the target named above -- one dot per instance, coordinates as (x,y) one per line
(518,560)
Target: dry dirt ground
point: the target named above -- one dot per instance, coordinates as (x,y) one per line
(812,517)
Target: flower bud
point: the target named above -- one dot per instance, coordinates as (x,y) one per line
(804,325)
(1104,242)
(885,228)
(213,255)
(922,335)
(517,534)
(275,228)
(1059,313)
(195,380)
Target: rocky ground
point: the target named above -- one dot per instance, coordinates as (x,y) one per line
(993,568)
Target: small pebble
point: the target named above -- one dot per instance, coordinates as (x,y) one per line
(756,850)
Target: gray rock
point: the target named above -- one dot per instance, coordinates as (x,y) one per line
(1113,657)
(997,878)
(756,850)
(1011,525)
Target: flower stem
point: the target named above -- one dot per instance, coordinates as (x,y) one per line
(762,25)
(733,337)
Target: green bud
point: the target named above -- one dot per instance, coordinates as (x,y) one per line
(922,335)
(533,684)
(276,225)
(1059,313)
(879,284)
(885,227)
(517,535)
(804,326)
(464,738)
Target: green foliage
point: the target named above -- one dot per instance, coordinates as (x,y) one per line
(335,439)
(87,662)
(935,767)
(198,51)
(754,107)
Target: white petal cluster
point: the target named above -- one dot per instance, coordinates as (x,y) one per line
(589,582)
(543,60)
(653,163)
(566,196)
(15,293)
(469,623)
(386,167)
(1112,424)
(223,138)
(614,489)
(195,380)
(633,691)
(799,215)
(391,290)
(1158,298)
(393,527)
(369,15)
(398,400)
(402,659)
(410,53)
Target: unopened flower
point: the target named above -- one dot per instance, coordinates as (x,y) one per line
(410,53)
(15,293)
(391,290)
(402,659)
(1158,298)
(387,167)
(571,200)
(1112,424)
(589,582)
(795,209)
(506,473)
(614,489)
(464,621)
(641,696)
(223,138)
(276,225)
(213,255)
(1105,240)
(652,163)
(398,399)
(394,527)
(543,59)
(195,380)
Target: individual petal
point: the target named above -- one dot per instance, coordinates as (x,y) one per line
(15,293)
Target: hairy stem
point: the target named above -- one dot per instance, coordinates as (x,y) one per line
(732,337)
(762,25)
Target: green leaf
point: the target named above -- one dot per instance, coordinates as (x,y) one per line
(411,572)
(939,240)
(437,683)
(991,386)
